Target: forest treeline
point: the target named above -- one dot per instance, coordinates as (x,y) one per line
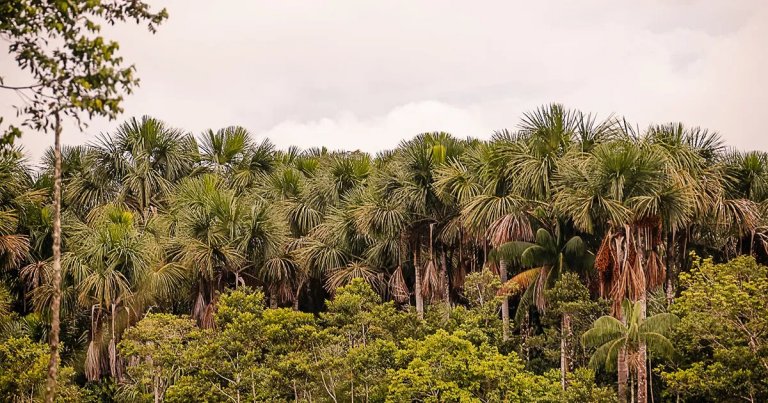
(568,259)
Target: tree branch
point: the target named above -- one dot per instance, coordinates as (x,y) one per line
(25,87)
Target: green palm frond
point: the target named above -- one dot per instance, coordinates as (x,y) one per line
(604,329)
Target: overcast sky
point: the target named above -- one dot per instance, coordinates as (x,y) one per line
(364,75)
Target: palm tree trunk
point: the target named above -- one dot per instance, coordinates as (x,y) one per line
(53,364)
(642,367)
(671,267)
(565,356)
(446,282)
(504,302)
(642,361)
(418,281)
(623,374)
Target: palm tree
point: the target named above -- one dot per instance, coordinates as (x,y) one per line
(115,271)
(221,235)
(544,136)
(15,195)
(548,258)
(224,149)
(634,187)
(142,159)
(619,344)
(498,214)
(410,178)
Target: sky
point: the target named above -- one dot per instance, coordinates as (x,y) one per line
(366,75)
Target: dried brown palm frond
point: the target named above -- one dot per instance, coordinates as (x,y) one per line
(207,321)
(510,227)
(398,288)
(629,281)
(343,275)
(13,250)
(604,258)
(655,270)
(283,291)
(92,367)
(198,309)
(113,361)
(519,282)
(432,286)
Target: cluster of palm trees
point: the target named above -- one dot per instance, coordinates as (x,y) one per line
(156,218)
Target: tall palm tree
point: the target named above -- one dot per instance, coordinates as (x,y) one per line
(222,236)
(498,214)
(143,158)
(635,188)
(693,157)
(16,195)
(411,180)
(619,343)
(114,270)
(549,258)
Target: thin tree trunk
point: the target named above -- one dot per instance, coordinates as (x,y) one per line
(445,280)
(297,295)
(623,374)
(156,385)
(565,362)
(642,361)
(650,378)
(504,302)
(53,364)
(671,267)
(418,280)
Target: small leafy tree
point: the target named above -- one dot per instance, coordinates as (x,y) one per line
(722,333)
(447,367)
(153,349)
(75,73)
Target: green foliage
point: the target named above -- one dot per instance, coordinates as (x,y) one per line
(153,348)
(74,70)
(721,335)
(153,216)
(582,388)
(448,367)
(610,335)
(568,296)
(361,349)
(23,370)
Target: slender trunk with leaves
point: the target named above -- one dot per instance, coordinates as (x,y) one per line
(565,353)
(504,301)
(642,360)
(623,375)
(53,364)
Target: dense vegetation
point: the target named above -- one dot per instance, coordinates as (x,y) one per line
(555,262)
